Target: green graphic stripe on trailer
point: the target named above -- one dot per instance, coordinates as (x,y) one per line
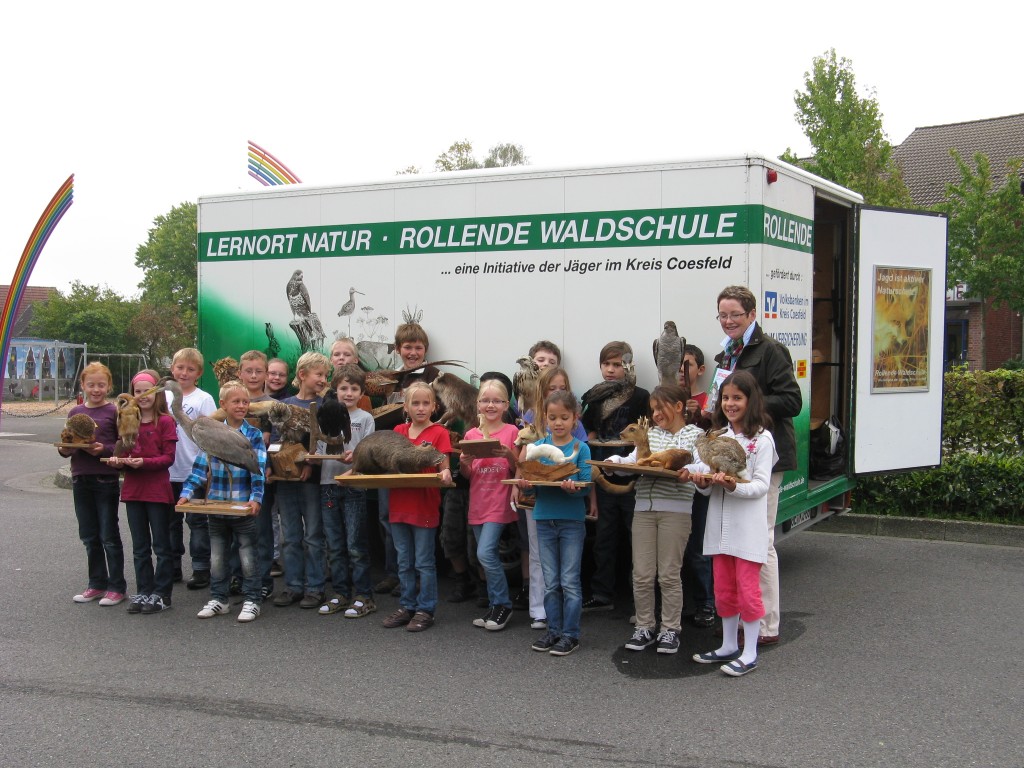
(712,225)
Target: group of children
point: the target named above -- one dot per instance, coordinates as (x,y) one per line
(323,521)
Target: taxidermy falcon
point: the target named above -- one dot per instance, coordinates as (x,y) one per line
(668,354)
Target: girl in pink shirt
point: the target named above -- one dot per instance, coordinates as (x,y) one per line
(489,507)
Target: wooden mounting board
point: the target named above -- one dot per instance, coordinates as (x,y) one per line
(322,457)
(610,443)
(478,449)
(393,481)
(203,507)
(633,469)
(73,445)
(708,476)
(548,483)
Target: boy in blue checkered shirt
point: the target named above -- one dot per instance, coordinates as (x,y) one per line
(236,484)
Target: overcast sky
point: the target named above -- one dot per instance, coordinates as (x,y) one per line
(151,104)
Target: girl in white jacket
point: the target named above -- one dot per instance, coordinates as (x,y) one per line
(736,535)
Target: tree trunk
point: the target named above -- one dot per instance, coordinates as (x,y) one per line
(310,332)
(984,334)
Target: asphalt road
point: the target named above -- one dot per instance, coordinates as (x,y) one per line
(895,652)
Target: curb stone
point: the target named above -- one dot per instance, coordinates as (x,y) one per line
(923,528)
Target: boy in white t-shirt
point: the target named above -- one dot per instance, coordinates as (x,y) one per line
(186,367)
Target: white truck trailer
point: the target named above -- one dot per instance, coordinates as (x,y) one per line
(491,261)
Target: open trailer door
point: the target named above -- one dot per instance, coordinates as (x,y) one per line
(898,383)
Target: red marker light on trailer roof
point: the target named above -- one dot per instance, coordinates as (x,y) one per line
(773,175)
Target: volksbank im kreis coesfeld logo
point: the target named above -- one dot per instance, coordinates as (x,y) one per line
(771,305)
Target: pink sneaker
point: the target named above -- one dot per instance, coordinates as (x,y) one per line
(89,595)
(112,598)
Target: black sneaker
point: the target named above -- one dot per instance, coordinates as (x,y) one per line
(482,621)
(564,646)
(199,580)
(235,586)
(704,616)
(266,593)
(545,642)
(593,604)
(156,604)
(668,641)
(276,569)
(642,638)
(499,619)
(463,590)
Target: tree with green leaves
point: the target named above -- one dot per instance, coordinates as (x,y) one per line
(459,157)
(985,235)
(88,314)
(846,135)
(504,155)
(169,260)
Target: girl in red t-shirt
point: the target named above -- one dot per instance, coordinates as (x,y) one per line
(414,514)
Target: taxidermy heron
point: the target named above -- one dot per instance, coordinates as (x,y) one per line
(215,438)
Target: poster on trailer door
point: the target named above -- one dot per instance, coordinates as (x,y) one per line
(899,352)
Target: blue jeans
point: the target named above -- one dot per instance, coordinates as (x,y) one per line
(698,579)
(487,537)
(383,515)
(415,548)
(150,524)
(243,529)
(265,536)
(344,514)
(198,533)
(303,537)
(561,552)
(96,498)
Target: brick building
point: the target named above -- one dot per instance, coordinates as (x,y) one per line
(927,167)
(31,296)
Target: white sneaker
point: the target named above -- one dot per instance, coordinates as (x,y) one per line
(249,611)
(214,608)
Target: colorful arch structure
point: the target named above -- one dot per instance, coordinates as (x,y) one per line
(48,221)
(267,169)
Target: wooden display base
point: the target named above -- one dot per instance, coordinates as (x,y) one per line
(634,469)
(708,476)
(73,445)
(393,481)
(478,449)
(610,443)
(322,457)
(204,507)
(549,483)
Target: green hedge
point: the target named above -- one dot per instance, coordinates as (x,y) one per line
(982,472)
(983,412)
